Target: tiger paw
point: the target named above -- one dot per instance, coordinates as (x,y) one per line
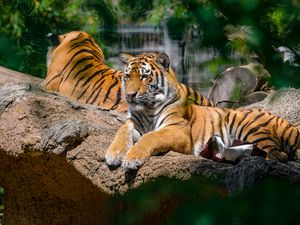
(113,158)
(134,158)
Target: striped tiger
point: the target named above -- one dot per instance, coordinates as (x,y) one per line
(76,69)
(161,118)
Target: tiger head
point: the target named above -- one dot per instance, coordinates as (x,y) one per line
(147,80)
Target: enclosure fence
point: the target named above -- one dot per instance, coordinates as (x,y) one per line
(187,59)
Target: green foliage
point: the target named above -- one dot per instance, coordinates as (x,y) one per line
(24,25)
(202,202)
(136,10)
(177,27)
(250,30)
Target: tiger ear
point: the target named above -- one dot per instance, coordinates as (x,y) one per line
(163,59)
(124,57)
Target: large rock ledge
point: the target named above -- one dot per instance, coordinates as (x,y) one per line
(52,158)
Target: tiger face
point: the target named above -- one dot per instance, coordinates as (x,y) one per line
(145,79)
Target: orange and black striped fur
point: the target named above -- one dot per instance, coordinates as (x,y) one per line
(76,69)
(161,118)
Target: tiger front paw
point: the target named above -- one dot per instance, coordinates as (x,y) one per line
(135,158)
(113,158)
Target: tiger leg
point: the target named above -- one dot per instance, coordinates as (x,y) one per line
(175,138)
(277,155)
(271,145)
(120,145)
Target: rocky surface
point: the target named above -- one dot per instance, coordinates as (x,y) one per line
(52,159)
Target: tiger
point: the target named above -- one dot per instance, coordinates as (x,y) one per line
(161,119)
(76,69)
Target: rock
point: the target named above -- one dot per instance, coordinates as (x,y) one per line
(283,103)
(252,170)
(53,170)
(239,86)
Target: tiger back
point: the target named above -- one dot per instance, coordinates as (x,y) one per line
(162,118)
(76,69)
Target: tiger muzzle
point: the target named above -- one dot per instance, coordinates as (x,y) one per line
(131,97)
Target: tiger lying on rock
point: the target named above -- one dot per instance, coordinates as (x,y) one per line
(76,69)
(161,119)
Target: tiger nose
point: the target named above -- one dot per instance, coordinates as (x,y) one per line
(131,96)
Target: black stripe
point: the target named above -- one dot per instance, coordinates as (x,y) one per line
(156,78)
(272,146)
(56,76)
(99,80)
(241,120)
(84,40)
(109,90)
(138,131)
(143,118)
(162,80)
(71,59)
(75,54)
(267,122)
(267,132)
(296,139)
(118,98)
(188,92)
(91,77)
(139,121)
(288,138)
(81,78)
(202,100)
(98,87)
(96,96)
(162,121)
(264,139)
(82,93)
(250,132)
(173,124)
(75,65)
(275,126)
(171,101)
(83,69)
(220,124)
(243,127)
(285,129)
(232,123)
(78,37)
(227,118)
(275,141)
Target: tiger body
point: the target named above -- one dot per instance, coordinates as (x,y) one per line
(161,118)
(76,69)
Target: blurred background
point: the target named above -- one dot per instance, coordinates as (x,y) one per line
(202,38)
